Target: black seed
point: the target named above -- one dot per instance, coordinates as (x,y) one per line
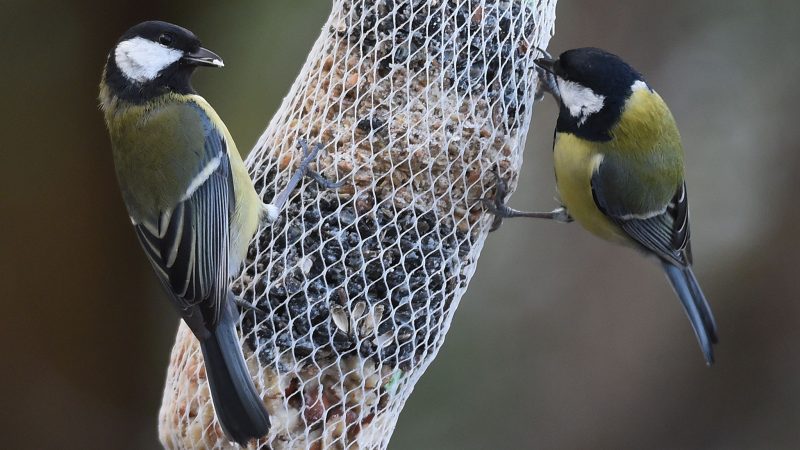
(303,347)
(342,343)
(409,261)
(377,290)
(385,326)
(297,306)
(318,313)
(367,348)
(371,123)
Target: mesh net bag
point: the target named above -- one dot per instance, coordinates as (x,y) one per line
(353,290)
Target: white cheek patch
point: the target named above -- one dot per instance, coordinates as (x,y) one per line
(581,101)
(141,59)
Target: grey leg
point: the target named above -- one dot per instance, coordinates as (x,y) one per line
(498,207)
(273,209)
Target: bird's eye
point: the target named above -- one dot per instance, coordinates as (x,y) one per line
(166,39)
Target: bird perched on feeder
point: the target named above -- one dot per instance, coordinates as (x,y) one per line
(190,199)
(619,169)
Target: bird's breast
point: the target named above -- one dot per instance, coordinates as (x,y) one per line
(157,153)
(575,161)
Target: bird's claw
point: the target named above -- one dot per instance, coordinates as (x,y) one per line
(309,153)
(497,206)
(324,182)
(493,208)
(546,81)
(244,306)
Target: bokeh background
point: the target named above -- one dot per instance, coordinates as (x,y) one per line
(562,342)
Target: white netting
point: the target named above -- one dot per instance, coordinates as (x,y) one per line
(415,102)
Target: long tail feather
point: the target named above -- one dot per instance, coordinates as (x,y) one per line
(697,309)
(239,409)
(702,305)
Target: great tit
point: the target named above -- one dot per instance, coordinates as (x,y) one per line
(190,199)
(619,169)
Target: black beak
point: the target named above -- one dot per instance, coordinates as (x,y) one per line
(547,64)
(203,57)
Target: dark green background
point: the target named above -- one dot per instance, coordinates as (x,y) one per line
(562,342)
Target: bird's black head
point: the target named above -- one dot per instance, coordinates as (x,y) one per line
(594,86)
(154,58)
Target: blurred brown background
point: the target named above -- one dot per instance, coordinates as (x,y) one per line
(562,342)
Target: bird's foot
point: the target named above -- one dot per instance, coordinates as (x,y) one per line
(323,182)
(546,82)
(244,306)
(500,210)
(308,155)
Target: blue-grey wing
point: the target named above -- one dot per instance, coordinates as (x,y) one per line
(188,244)
(664,232)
